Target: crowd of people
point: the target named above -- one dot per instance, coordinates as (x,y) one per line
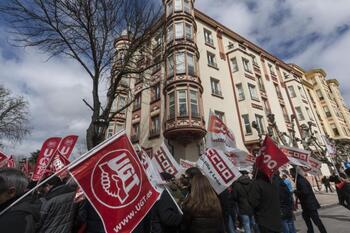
(253,203)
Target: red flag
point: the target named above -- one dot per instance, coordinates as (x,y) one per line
(67,144)
(271,157)
(115,183)
(11,162)
(47,151)
(3,159)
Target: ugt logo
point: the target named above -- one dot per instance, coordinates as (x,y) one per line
(116,179)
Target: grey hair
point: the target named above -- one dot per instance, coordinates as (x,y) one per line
(11,177)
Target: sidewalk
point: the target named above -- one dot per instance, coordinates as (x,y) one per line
(326,200)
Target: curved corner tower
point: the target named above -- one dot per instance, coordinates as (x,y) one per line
(184,121)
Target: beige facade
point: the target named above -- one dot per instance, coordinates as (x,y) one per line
(207,67)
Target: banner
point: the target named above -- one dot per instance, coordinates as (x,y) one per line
(240,158)
(297,156)
(113,180)
(3,159)
(219,136)
(165,162)
(330,148)
(314,167)
(25,167)
(45,155)
(218,168)
(66,146)
(185,164)
(10,162)
(271,157)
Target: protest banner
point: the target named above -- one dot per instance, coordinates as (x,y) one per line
(165,162)
(3,159)
(11,162)
(115,183)
(330,148)
(185,164)
(46,153)
(314,167)
(297,156)
(270,158)
(218,168)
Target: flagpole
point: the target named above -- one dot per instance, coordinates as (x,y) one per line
(68,166)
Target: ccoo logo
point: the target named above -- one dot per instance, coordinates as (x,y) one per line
(116,179)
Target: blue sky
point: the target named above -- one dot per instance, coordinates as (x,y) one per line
(310,33)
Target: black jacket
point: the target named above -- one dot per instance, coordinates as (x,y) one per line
(166,217)
(193,223)
(240,192)
(58,210)
(286,200)
(21,218)
(89,216)
(265,201)
(305,194)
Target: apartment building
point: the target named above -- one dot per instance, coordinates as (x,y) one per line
(209,68)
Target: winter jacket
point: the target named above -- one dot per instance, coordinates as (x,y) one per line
(286,201)
(89,216)
(305,194)
(194,223)
(166,217)
(21,218)
(264,199)
(58,210)
(240,192)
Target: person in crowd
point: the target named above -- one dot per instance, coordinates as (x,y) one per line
(89,218)
(286,205)
(240,192)
(336,180)
(228,210)
(186,178)
(327,184)
(288,182)
(165,214)
(345,190)
(58,209)
(202,209)
(23,216)
(264,199)
(308,201)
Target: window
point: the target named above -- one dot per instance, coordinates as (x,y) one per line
(194,103)
(155,126)
(285,114)
(301,92)
(267,107)
(300,114)
(137,101)
(182,101)
(155,92)
(260,124)
(286,76)
(172,105)
(220,115)
(121,103)
(170,33)
(309,113)
(326,111)
(240,92)
(179,30)
(169,8)
(247,126)
(335,129)
(255,61)
(278,91)
(188,31)
(180,63)
(136,130)
(190,64)
(319,94)
(170,65)
(246,65)
(211,59)
(178,5)
(215,87)
(208,37)
(158,39)
(252,91)
(260,83)
(187,6)
(291,91)
(272,71)
(234,64)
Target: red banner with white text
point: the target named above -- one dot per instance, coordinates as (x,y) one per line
(11,162)
(47,151)
(115,183)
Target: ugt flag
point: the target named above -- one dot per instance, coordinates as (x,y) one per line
(113,179)
(218,168)
(165,162)
(47,151)
(271,157)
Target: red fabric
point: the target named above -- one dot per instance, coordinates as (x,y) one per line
(3,159)
(271,157)
(113,180)
(10,162)
(46,153)
(340,185)
(66,146)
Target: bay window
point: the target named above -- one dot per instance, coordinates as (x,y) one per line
(172,105)
(170,65)
(187,6)
(190,64)
(180,63)
(188,31)
(194,103)
(182,102)
(169,8)
(178,5)
(179,30)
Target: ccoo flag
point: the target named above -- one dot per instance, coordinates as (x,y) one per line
(113,179)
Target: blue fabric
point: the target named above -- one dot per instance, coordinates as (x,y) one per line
(248,223)
(288,226)
(289,184)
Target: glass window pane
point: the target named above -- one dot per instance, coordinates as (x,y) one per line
(180,63)
(179,32)
(190,64)
(187,6)
(188,31)
(182,101)
(171,105)
(194,103)
(170,66)
(170,33)
(178,5)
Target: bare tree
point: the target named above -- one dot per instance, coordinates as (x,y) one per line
(13,116)
(85,30)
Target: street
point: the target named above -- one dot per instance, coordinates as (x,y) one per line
(336,220)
